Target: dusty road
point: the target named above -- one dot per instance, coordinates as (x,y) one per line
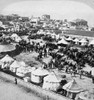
(9,91)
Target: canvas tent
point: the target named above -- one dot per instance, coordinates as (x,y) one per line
(14,66)
(63,41)
(83,41)
(76,41)
(15,37)
(6,59)
(72,88)
(38,75)
(51,82)
(22,71)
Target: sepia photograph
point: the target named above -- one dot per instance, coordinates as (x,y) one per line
(46,49)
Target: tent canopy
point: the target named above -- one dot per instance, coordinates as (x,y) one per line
(52,77)
(63,41)
(7,58)
(72,86)
(15,64)
(14,35)
(40,72)
(83,40)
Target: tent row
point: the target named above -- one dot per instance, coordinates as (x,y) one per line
(49,79)
(82,41)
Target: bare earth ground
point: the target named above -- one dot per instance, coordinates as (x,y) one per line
(9,91)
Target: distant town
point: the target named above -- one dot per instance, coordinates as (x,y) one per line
(15,22)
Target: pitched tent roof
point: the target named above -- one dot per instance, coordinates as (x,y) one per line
(83,40)
(63,41)
(7,58)
(14,35)
(72,86)
(52,77)
(87,95)
(40,72)
(6,48)
(15,64)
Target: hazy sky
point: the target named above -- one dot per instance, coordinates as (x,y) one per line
(58,9)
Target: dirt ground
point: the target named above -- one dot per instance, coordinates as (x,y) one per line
(9,91)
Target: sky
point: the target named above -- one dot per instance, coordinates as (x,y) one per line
(58,9)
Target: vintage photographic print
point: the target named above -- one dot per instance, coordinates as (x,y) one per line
(46,49)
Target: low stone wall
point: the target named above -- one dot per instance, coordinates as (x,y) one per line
(46,95)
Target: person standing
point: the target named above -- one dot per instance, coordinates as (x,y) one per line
(15,80)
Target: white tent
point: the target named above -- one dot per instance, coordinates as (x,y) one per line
(7,59)
(63,41)
(86,95)
(15,37)
(76,40)
(22,71)
(72,88)
(38,74)
(14,66)
(83,41)
(51,82)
